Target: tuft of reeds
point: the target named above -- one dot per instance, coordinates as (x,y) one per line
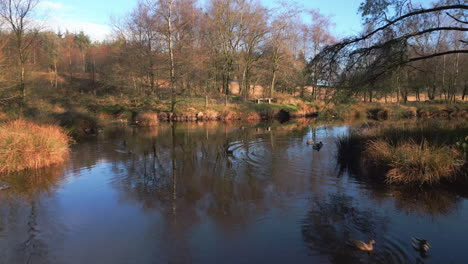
(411,162)
(26,145)
(423,153)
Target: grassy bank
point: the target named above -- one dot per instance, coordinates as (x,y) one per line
(424,152)
(393,111)
(25,145)
(82,114)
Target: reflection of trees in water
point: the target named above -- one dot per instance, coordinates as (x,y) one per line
(424,201)
(187,165)
(30,184)
(187,176)
(337,219)
(21,209)
(27,246)
(231,188)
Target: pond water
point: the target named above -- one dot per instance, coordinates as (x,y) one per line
(173,194)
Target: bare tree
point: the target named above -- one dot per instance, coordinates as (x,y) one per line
(387,45)
(282,34)
(16,14)
(255,23)
(165,9)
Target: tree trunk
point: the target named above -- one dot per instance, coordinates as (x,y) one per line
(443,82)
(273,81)
(83,57)
(22,82)
(464,91)
(455,78)
(55,74)
(70,70)
(171,56)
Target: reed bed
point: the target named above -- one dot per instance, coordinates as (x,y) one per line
(26,145)
(425,152)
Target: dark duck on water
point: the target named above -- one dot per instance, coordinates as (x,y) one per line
(318,146)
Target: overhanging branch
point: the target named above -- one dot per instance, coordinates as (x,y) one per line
(437,55)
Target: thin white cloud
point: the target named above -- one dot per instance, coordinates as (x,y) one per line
(51,6)
(95,31)
(66,17)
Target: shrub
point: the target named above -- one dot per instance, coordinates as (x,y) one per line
(147,119)
(26,145)
(230,114)
(113,109)
(252,116)
(77,123)
(211,115)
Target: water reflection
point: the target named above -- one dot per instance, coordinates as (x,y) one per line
(424,201)
(211,192)
(22,213)
(337,219)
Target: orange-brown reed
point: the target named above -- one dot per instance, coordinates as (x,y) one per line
(26,145)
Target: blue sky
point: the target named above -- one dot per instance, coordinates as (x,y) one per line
(93,16)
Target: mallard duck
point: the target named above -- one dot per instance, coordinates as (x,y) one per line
(318,146)
(310,143)
(361,245)
(420,245)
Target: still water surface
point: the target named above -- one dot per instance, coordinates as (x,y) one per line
(173,194)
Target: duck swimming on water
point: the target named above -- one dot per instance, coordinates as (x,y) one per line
(318,146)
(361,245)
(421,245)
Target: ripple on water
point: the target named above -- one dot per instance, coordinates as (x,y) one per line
(393,250)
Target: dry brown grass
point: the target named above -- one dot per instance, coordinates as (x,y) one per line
(287,99)
(147,119)
(211,115)
(3,117)
(415,163)
(253,116)
(231,114)
(26,145)
(425,152)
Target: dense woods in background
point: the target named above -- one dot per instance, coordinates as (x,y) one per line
(166,49)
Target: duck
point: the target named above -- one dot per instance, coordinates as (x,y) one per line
(310,143)
(318,146)
(361,245)
(421,245)
(229,152)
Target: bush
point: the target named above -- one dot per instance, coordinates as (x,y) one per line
(26,145)
(147,119)
(113,109)
(77,123)
(252,116)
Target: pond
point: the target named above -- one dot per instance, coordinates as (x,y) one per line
(221,193)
